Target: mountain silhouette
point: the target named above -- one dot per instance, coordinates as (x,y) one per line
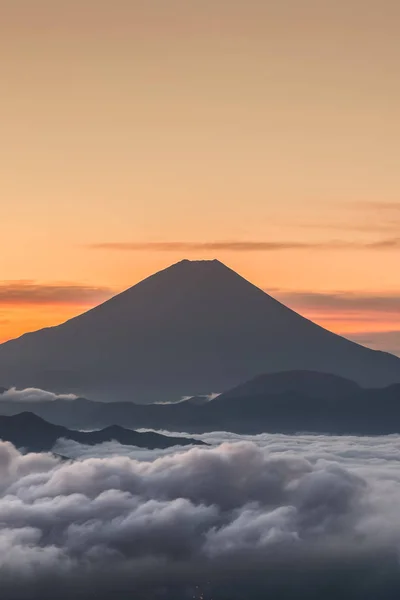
(287,402)
(194,328)
(29,431)
(309,383)
(306,402)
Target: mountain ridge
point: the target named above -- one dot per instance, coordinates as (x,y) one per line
(288,402)
(30,431)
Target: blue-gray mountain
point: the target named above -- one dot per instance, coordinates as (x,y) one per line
(287,402)
(195,328)
(27,430)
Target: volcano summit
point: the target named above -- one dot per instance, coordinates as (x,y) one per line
(194,328)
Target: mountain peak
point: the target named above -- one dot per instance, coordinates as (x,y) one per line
(207,261)
(199,265)
(193,328)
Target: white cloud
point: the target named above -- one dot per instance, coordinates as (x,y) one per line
(322,506)
(33,395)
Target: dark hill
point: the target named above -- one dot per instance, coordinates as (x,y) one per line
(363,412)
(27,430)
(307,383)
(192,329)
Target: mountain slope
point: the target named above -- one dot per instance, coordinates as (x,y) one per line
(196,327)
(29,431)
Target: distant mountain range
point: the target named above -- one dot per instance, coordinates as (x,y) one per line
(195,328)
(288,402)
(29,431)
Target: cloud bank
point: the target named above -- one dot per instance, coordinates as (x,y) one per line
(292,517)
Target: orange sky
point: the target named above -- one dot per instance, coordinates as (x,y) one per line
(269,128)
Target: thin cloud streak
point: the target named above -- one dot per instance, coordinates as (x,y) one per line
(393,243)
(387,227)
(356,317)
(379,340)
(351,315)
(378,206)
(371,217)
(341,301)
(244,246)
(235,246)
(24,293)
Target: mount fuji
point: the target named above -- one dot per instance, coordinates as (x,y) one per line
(194,328)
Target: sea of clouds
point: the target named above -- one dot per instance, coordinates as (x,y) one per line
(268,516)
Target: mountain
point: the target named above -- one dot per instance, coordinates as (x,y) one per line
(27,430)
(307,383)
(279,403)
(194,328)
(339,407)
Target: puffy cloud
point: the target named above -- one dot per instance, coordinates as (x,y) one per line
(287,515)
(33,395)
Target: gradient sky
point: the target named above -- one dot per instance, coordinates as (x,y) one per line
(138,132)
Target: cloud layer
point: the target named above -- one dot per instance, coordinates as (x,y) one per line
(234,520)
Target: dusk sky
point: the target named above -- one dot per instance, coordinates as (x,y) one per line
(135,133)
